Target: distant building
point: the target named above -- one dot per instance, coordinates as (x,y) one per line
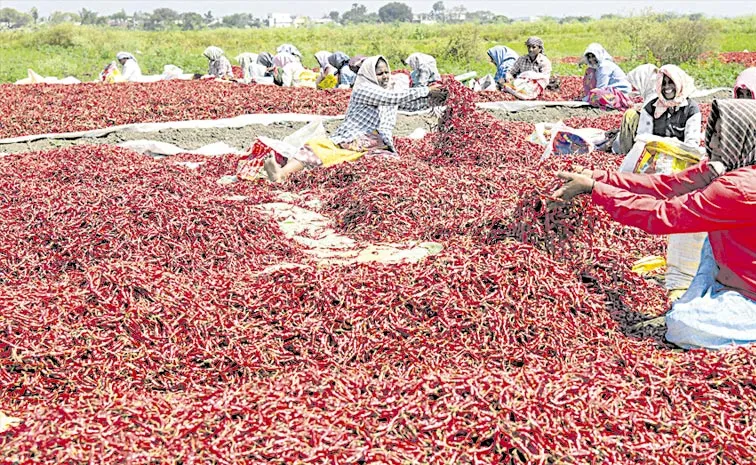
(280,20)
(423,18)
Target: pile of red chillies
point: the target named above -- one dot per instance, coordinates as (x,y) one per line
(45,109)
(151,315)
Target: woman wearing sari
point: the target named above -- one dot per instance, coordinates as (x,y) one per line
(670,114)
(605,85)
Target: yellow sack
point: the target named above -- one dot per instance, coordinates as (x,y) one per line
(328,82)
(305,78)
(331,154)
(664,157)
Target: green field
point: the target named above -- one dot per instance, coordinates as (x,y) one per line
(82,51)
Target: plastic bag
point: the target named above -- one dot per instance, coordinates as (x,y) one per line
(523,89)
(328,82)
(171,72)
(648,264)
(487,83)
(110,74)
(563,140)
(665,157)
(659,155)
(305,78)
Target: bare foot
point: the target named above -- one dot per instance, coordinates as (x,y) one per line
(272,169)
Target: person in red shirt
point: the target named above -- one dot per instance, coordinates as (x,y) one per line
(717,196)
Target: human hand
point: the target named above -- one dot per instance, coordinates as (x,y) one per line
(437,95)
(584,171)
(576,184)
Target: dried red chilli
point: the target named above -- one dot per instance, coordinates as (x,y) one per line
(25,110)
(141,326)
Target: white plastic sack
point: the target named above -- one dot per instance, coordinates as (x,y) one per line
(313,130)
(683,257)
(171,72)
(487,83)
(557,138)
(293,142)
(34,78)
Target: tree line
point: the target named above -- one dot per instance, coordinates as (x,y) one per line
(168,19)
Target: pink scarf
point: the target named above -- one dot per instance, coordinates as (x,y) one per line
(684,85)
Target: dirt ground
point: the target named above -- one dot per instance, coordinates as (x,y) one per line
(241,138)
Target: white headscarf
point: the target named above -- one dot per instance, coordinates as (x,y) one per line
(684,86)
(643,78)
(126,55)
(213,53)
(416,60)
(289,48)
(322,57)
(282,59)
(367,76)
(246,59)
(599,52)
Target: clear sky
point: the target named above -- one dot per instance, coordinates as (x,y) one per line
(318,8)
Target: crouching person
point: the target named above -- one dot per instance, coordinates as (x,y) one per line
(368,124)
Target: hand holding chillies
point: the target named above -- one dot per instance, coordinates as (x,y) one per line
(576,184)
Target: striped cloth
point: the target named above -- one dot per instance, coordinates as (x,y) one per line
(737,132)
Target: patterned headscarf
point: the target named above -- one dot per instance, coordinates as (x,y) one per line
(535,41)
(338,59)
(737,132)
(322,57)
(356,61)
(746,80)
(684,85)
(288,48)
(125,55)
(599,52)
(499,54)
(265,59)
(367,75)
(213,53)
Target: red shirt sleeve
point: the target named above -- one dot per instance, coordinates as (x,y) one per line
(660,186)
(729,202)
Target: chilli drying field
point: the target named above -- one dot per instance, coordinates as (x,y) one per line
(153,315)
